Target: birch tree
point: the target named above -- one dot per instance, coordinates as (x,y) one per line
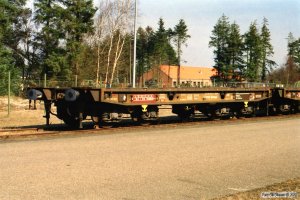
(100,32)
(112,25)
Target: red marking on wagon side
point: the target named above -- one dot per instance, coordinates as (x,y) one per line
(142,98)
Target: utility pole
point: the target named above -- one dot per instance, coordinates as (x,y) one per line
(134,48)
(130,61)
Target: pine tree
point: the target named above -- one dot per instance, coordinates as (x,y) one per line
(253,52)
(63,24)
(219,41)
(294,49)
(11,55)
(289,73)
(160,43)
(154,49)
(291,39)
(172,59)
(142,47)
(180,38)
(77,21)
(6,55)
(52,56)
(267,50)
(235,53)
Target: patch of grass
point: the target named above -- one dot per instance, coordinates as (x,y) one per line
(292,185)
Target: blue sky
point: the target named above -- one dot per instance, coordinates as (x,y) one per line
(201,15)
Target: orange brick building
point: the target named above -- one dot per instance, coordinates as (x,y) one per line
(167,76)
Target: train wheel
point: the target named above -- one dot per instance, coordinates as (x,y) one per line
(185,113)
(226,117)
(136,116)
(71,121)
(69,115)
(210,115)
(95,119)
(184,116)
(237,112)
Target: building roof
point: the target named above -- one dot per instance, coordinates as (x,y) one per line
(188,73)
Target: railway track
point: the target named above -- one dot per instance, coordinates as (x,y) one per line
(127,125)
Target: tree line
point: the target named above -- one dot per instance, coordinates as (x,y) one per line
(64,38)
(241,56)
(46,40)
(289,72)
(163,46)
(248,56)
(67,38)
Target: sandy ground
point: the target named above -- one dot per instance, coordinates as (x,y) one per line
(20,115)
(17,103)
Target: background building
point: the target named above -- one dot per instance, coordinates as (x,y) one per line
(167,76)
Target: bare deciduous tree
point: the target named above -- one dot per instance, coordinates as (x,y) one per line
(113,22)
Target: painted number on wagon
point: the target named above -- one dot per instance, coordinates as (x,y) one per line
(139,98)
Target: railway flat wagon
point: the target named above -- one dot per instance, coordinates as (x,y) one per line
(285,100)
(73,105)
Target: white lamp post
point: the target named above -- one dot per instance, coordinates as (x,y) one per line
(134,50)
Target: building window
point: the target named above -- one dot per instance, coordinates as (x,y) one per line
(194,84)
(174,83)
(198,84)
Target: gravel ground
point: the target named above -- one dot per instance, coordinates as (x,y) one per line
(201,162)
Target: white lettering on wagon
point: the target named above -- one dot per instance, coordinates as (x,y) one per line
(210,96)
(140,98)
(258,96)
